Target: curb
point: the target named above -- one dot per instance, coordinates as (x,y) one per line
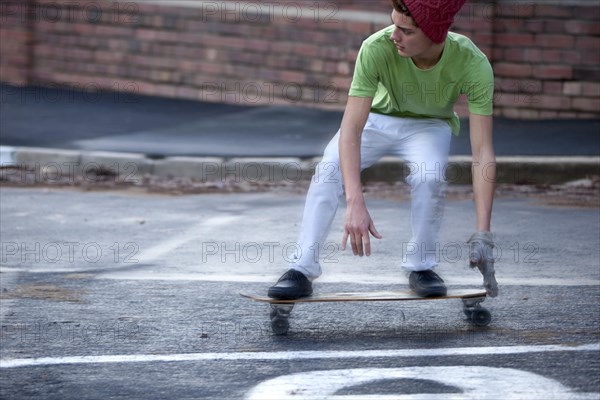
(54,164)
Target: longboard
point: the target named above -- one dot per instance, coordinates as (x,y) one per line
(281,309)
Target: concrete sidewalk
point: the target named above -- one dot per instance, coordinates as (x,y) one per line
(138,135)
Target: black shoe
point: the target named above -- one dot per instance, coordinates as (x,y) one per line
(291,286)
(427,284)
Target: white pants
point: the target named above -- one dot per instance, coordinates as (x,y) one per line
(424,145)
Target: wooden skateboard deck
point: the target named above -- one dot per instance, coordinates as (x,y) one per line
(398,295)
(281,309)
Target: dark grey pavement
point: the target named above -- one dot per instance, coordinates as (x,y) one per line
(161,127)
(128,296)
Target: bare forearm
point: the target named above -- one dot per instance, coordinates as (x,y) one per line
(353,123)
(484,169)
(350,162)
(484,184)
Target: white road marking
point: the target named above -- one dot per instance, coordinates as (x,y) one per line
(193,233)
(330,278)
(474,382)
(293,355)
(349,278)
(364,279)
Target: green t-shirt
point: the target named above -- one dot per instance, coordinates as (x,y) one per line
(401,89)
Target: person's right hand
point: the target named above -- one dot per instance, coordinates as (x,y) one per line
(481,256)
(357,226)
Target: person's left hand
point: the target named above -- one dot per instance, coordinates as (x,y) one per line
(481,256)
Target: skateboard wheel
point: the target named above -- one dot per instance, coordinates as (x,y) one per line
(279,310)
(280,326)
(481,317)
(468,313)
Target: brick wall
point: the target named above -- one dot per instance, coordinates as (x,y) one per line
(16,35)
(547,60)
(546,56)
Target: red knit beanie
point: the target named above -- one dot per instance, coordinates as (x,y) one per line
(434,17)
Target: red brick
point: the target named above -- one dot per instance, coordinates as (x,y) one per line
(572,57)
(514,39)
(554,41)
(532,55)
(591,89)
(572,88)
(583,73)
(546,11)
(498,53)
(509,25)
(145,34)
(120,45)
(591,12)
(587,104)
(292,76)
(553,72)
(534,25)
(341,82)
(257,45)
(550,87)
(556,26)
(588,43)
(503,99)
(358,27)
(513,70)
(554,102)
(515,10)
(590,59)
(482,39)
(514,55)
(583,27)
(113,30)
(551,56)
(305,49)
(343,68)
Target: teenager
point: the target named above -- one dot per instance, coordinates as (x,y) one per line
(407,79)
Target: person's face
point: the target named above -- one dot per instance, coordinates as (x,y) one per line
(409,40)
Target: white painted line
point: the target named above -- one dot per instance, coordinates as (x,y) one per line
(474,382)
(345,278)
(193,233)
(293,355)
(143,275)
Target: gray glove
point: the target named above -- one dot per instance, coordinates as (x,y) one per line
(481,256)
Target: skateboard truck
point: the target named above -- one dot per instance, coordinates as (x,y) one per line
(475,313)
(280,314)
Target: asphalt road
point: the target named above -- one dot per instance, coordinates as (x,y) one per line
(161,127)
(117,295)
